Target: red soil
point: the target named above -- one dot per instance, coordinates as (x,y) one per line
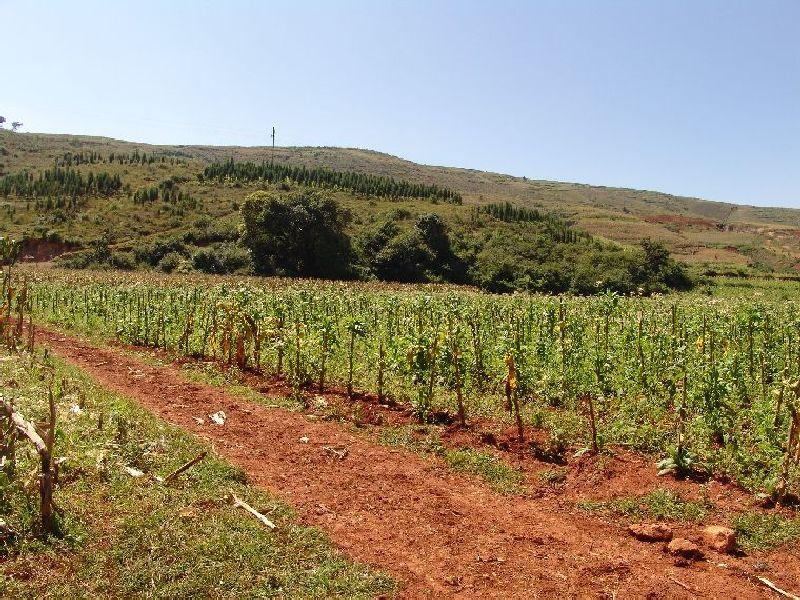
(36,250)
(440,533)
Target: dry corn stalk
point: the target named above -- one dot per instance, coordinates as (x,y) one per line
(791,458)
(44,446)
(512,399)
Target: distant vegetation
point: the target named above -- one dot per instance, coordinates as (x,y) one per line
(58,181)
(706,235)
(306,235)
(167,210)
(509,213)
(358,183)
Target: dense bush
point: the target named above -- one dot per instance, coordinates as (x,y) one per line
(122,260)
(208,231)
(170,261)
(152,253)
(423,253)
(222,259)
(505,261)
(297,235)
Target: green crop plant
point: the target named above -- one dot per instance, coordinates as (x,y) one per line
(705,385)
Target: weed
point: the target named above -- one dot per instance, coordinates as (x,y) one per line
(498,475)
(756,531)
(660,504)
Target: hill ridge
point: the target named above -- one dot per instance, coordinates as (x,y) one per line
(697,230)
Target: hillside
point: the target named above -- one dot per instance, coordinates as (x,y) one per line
(696,231)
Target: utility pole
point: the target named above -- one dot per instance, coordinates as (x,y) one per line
(272,157)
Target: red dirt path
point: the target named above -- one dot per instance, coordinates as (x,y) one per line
(440,533)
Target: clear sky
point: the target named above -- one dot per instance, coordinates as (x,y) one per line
(694,97)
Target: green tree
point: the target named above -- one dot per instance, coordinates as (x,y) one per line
(659,271)
(404,258)
(297,235)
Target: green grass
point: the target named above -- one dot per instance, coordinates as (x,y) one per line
(134,537)
(660,504)
(417,438)
(425,440)
(756,531)
(501,477)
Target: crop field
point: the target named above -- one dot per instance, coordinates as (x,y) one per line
(393,418)
(709,385)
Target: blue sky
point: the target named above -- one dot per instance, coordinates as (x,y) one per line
(694,97)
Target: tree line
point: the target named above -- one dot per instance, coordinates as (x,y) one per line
(58,181)
(69,159)
(168,191)
(509,213)
(359,183)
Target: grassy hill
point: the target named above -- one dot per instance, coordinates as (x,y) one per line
(697,231)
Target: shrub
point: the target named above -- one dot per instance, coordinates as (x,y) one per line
(222,259)
(123,260)
(206,231)
(153,252)
(297,235)
(170,262)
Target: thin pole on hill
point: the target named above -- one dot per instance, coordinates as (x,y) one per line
(272,157)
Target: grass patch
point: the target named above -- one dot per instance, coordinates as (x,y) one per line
(757,531)
(660,504)
(133,537)
(501,477)
(425,440)
(553,477)
(420,439)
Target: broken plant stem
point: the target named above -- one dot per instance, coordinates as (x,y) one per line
(44,449)
(185,467)
(238,503)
